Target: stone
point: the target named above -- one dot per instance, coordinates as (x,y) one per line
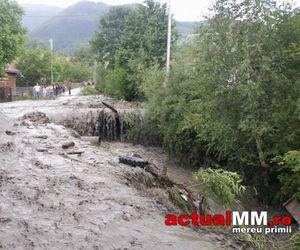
(68,145)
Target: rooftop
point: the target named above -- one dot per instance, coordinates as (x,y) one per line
(10,69)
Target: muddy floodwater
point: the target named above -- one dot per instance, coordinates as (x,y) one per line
(79,198)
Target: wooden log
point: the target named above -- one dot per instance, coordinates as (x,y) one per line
(75,152)
(117,122)
(110,107)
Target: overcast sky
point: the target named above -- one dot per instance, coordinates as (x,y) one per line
(184,10)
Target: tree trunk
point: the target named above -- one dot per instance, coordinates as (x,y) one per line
(260,152)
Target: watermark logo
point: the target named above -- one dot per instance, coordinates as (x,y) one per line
(241,222)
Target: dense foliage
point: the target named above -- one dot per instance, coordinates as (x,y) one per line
(68,69)
(35,66)
(111,29)
(289,175)
(128,42)
(233,96)
(11,31)
(219,184)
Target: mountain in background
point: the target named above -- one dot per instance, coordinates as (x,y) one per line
(36,14)
(72,27)
(75,25)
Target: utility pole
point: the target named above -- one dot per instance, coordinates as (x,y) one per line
(168,63)
(51,60)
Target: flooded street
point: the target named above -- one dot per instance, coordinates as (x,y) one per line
(78,197)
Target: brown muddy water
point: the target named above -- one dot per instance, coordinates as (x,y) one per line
(51,198)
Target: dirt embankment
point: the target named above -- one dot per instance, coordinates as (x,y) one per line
(55,198)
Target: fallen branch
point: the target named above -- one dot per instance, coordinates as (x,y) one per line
(110,107)
(75,153)
(163,180)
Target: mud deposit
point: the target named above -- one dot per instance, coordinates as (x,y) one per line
(53,199)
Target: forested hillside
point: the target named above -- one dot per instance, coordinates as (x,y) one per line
(36,14)
(71,27)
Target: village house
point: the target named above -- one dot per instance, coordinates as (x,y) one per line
(8,84)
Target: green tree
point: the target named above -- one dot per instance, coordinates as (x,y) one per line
(134,44)
(84,54)
(240,102)
(35,66)
(246,104)
(11,31)
(289,175)
(66,70)
(219,184)
(233,100)
(32,43)
(108,37)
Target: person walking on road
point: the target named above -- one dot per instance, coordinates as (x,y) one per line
(69,88)
(37,91)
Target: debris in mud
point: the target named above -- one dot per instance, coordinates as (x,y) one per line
(3,177)
(178,194)
(41,137)
(133,161)
(68,145)
(180,199)
(7,146)
(35,118)
(10,132)
(75,153)
(126,216)
(75,134)
(137,161)
(41,165)
(41,150)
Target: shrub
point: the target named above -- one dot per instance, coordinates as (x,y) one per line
(147,133)
(219,184)
(89,90)
(289,177)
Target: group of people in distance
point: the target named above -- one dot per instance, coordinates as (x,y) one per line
(50,91)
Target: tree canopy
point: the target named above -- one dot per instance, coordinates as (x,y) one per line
(128,42)
(36,67)
(11,31)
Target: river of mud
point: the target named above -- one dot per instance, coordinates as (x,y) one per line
(80,198)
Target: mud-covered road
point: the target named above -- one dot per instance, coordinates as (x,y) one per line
(53,199)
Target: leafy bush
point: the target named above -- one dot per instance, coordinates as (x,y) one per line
(89,90)
(128,42)
(35,66)
(289,175)
(66,70)
(219,184)
(147,133)
(293,243)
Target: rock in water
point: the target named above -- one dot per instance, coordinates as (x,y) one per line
(10,132)
(68,145)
